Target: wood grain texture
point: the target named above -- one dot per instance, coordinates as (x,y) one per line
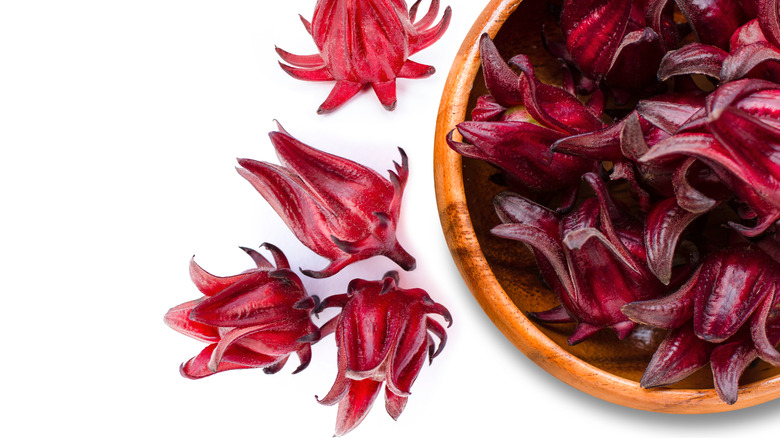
(502,275)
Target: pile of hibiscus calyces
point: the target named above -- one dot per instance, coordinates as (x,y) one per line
(680,102)
(344,212)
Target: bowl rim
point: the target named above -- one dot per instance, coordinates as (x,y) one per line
(477,274)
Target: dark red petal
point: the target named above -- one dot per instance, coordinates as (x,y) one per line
(602,144)
(306,216)
(691,198)
(582,332)
(521,151)
(670,111)
(552,106)
(260,261)
(728,362)
(593,30)
(487,109)
(196,368)
(342,184)
(308,74)
(555,315)
(766,336)
(394,404)
(746,58)
(769,19)
(414,70)
(178,318)
(429,36)
(256,300)
(664,225)
(368,328)
(342,384)
(436,328)
(400,379)
(305,61)
(385,91)
(680,354)
(501,80)
(355,406)
(668,312)
(636,60)
(339,95)
(304,356)
(732,285)
(208,284)
(713,21)
(693,58)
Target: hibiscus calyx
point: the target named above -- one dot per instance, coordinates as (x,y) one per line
(255,319)
(383,334)
(365,42)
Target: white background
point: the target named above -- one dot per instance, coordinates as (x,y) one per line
(120,122)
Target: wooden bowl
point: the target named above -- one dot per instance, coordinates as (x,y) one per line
(502,274)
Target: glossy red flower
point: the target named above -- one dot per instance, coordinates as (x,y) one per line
(383,334)
(255,319)
(593,259)
(339,209)
(365,42)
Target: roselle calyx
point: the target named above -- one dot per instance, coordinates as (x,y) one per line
(338,208)
(383,334)
(365,42)
(255,319)
(593,258)
(612,42)
(515,126)
(726,314)
(737,136)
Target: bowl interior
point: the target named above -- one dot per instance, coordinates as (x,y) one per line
(513,265)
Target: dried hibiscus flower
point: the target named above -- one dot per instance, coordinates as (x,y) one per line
(593,258)
(515,126)
(365,42)
(383,334)
(738,137)
(728,314)
(255,319)
(339,209)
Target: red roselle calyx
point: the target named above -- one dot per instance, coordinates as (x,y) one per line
(383,334)
(593,258)
(365,42)
(339,209)
(619,42)
(515,126)
(255,319)
(728,314)
(738,137)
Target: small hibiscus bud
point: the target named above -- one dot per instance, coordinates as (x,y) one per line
(365,42)
(383,334)
(255,319)
(339,209)
(593,258)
